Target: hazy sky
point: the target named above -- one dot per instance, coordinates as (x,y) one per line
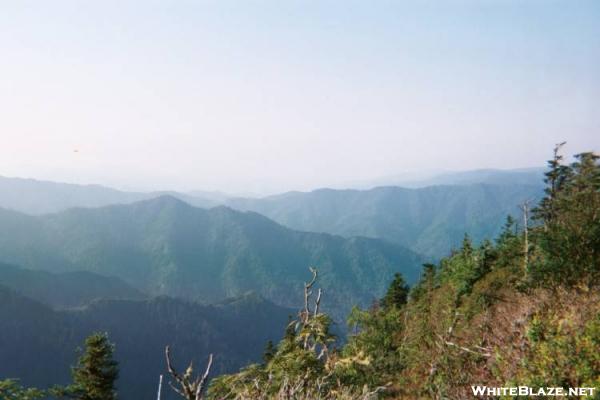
(277,95)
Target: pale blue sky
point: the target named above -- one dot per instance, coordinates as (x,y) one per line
(279,95)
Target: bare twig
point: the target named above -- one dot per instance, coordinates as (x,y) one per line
(318,301)
(190,390)
(525,207)
(466,349)
(307,293)
(160,379)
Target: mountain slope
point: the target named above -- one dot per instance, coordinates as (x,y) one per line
(64,290)
(164,246)
(430,221)
(39,343)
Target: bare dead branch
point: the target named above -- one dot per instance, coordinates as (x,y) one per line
(160,379)
(465,349)
(202,381)
(525,207)
(170,368)
(190,390)
(307,292)
(318,301)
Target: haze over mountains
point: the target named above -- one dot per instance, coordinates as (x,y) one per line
(427,216)
(36,197)
(146,267)
(33,196)
(521,176)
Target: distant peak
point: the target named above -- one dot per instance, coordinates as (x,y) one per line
(166,200)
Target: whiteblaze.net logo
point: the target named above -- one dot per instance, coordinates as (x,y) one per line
(487,391)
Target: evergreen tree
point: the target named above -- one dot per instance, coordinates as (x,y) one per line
(570,212)
(95,374)
(426,284)
(508,231)
(467,246)
(397,293)
(269,352)
(556,176)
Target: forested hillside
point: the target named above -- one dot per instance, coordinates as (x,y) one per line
(65,290)
(522,310)
(430,218)
(164,246)
(430,221)
(38,345)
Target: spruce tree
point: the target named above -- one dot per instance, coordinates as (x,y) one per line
(95,374)
(426,284)
(269,352)
(397,293)
(508,231)
(570,212)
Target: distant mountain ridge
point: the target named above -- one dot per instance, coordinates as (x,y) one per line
(521,176)
(164,246)
(430,220)
(37,197)
(67,289)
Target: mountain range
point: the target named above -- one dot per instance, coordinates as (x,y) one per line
(206,272)
(164,246)
(429,221)
(518,176)
(32,196)
(430,218)
(35,197)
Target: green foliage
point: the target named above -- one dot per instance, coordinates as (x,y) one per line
(304,366)
(570,213)
(373,354)
(466,266)
(11,390)
(269,352)
(397,293)
(426,284)
(561,353)
(509,247)
(95,374)
(464,323)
